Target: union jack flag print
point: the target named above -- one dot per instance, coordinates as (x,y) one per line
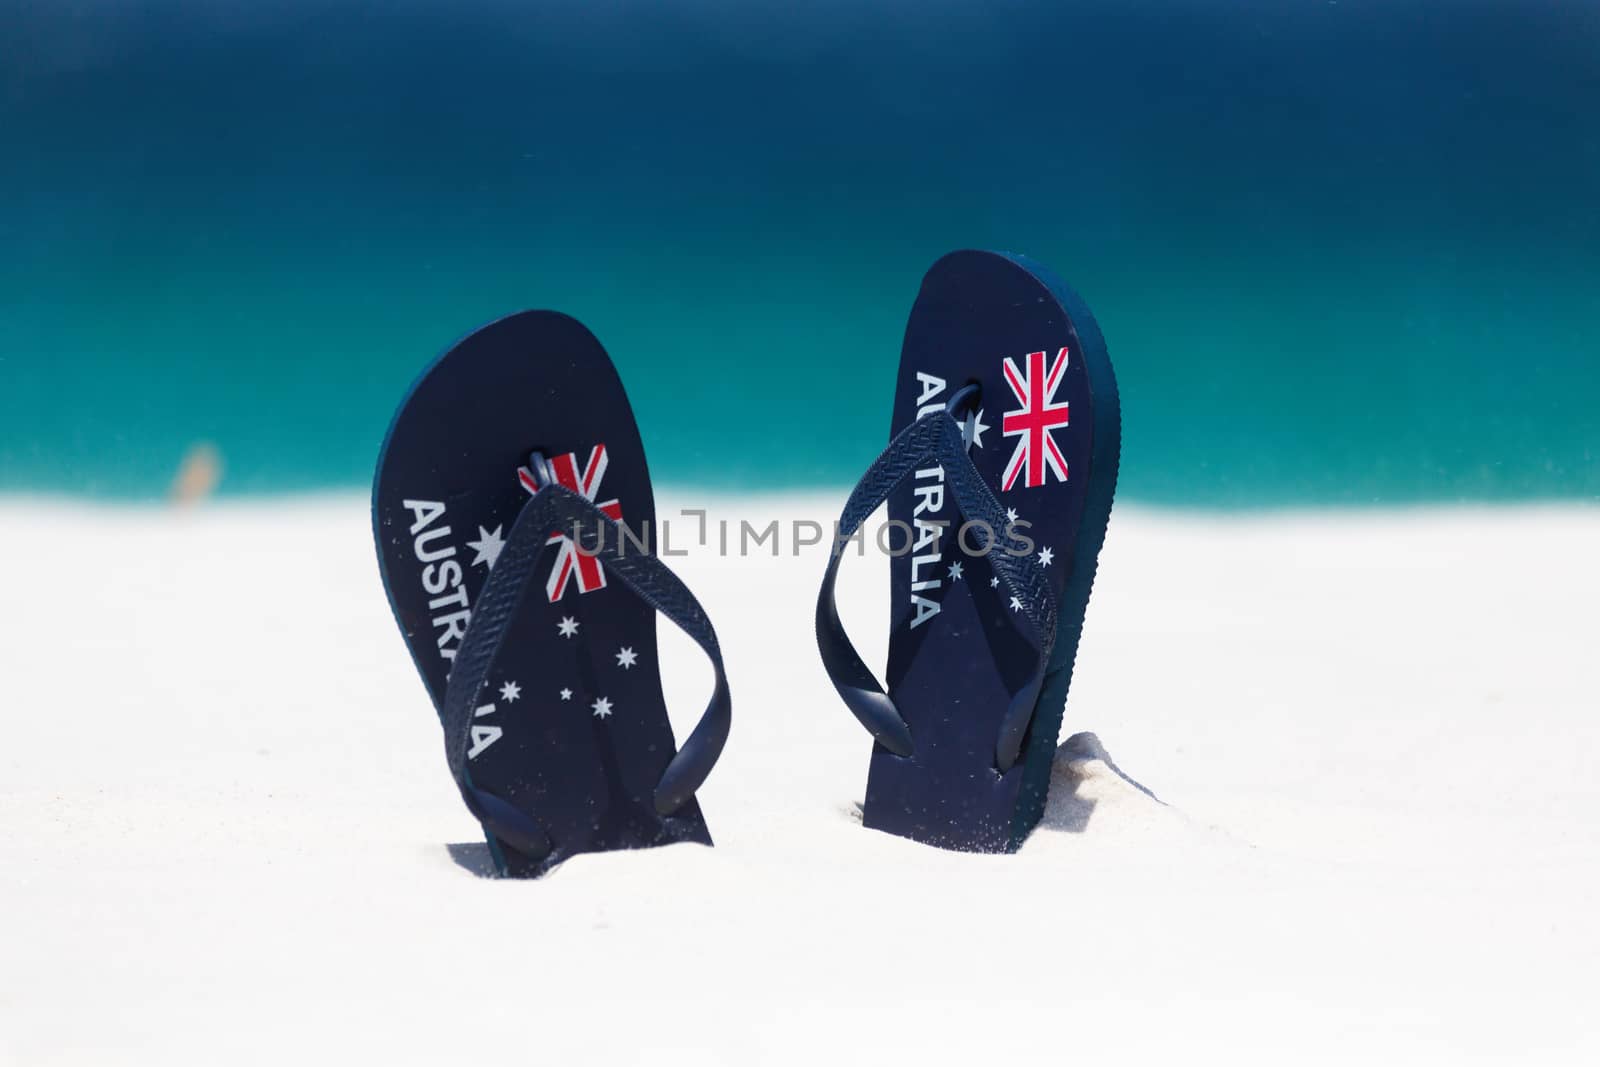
(1036,452)
(569,560)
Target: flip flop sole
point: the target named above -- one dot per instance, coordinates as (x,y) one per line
(1046,442)
(571,727)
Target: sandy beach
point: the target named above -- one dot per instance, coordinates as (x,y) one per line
(1330,795)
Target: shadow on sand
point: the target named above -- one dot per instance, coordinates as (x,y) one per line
(474,858)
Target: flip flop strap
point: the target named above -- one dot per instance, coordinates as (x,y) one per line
(936,437)
(555,507)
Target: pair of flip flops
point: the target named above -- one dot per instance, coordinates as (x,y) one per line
(513,516)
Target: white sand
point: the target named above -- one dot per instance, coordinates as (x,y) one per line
(224,813)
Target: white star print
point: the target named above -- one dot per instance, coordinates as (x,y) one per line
(973,428)
(510,692)
(1016,605)
(568,626)
(1045,556)
(994,583)
(955,571)
(626,658)
(1011,514)
(601,708)
(566,694)
(487,546)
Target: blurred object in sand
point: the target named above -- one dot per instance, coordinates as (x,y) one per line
(198,474)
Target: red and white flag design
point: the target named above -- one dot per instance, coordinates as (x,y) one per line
(569,560)
(1036,452)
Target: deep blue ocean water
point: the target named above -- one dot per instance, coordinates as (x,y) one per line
(1342,252)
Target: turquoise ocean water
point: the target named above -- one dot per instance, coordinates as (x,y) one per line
(1342,252)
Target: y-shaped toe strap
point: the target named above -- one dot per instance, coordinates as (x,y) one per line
(555,507)
(934,437)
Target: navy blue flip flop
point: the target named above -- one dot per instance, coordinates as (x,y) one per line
(999,476)
(512,511)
